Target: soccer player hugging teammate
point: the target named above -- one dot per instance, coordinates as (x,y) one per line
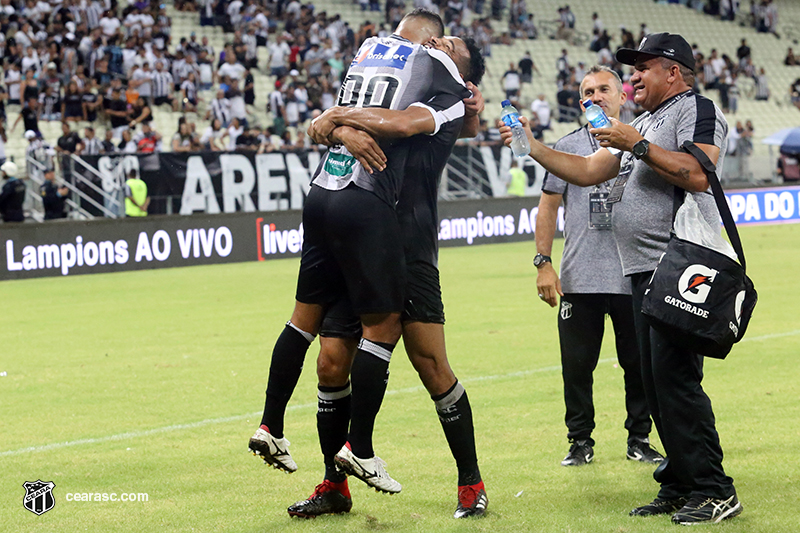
(421,93)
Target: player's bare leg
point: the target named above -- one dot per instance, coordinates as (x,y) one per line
(370,375)
(333,416)
(425,346)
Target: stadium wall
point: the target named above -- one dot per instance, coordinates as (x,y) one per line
(64,248)
(68,248)
(214,182)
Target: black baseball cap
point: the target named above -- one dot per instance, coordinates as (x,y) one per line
(667,45)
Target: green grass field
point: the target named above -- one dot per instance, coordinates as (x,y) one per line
(152,382)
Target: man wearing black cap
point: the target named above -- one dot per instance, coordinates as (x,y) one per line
(650,170)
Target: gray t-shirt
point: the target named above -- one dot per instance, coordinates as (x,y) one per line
(642,219)
(590,263)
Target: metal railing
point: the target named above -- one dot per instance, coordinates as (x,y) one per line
(112,206)
(33,205)
(72,201)
(464,177)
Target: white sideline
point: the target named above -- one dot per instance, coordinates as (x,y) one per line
(222,420)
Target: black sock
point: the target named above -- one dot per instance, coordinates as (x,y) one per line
(455,414)
(284,372)
(369,375)
(333,416)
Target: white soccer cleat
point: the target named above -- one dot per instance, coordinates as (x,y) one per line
(371,471)
(274,451)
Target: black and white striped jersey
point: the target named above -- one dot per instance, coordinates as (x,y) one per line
(191,90)
(392,73)
(92,146)
(162,84)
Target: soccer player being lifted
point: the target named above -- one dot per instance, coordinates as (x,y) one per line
(423,314)
(283,377)
(293,343)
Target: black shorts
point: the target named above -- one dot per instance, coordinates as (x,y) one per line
(351,248)
(161,100)
(341,321)
(423,303)
(423,295)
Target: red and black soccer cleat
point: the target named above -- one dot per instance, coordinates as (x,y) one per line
(472,501)
(328,498)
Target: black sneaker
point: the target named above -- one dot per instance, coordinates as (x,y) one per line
(328,498)
(580,453)
(659,506)
(701,509)
(639,449)
(472,501)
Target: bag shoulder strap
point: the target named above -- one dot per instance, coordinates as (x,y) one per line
(678,197)
(719,197)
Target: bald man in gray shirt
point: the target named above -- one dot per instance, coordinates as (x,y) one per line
(591,286)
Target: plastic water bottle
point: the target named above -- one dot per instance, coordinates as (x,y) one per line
(596,116)
(520,146)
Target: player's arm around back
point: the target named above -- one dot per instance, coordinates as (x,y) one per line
(473,107)
(582,171)
(547,283)
(377,122)
(361,146)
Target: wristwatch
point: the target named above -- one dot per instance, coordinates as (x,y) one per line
(540,259)
(640,149)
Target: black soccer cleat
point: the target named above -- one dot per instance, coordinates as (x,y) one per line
(328,498)
(472,501)
(580,453)
(659,506)
(639,449)
(703,510)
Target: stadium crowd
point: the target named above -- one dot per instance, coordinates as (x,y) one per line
(96,64)
(105,69)
(63,62)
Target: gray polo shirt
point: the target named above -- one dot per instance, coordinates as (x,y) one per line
(642,219)
(590,262)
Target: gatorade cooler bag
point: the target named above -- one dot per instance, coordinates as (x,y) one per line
(698,297)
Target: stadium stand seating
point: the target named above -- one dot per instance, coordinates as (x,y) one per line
(708,32)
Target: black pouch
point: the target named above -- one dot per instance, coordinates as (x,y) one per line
(702,299)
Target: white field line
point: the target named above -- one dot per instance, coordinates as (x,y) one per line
(771,336)
(225,419)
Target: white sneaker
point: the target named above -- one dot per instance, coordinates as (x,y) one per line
(274,451)
(371,471)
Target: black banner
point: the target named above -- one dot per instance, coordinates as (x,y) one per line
(214,182)
(65,248)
